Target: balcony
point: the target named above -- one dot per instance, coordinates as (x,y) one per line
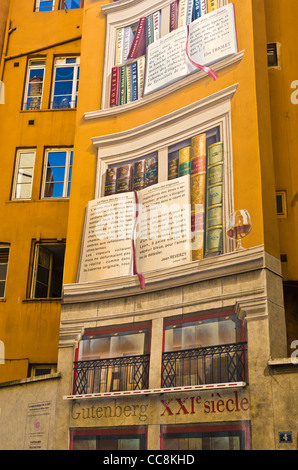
(111,375)
(208,365)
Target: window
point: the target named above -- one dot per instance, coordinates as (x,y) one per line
(204,350)
(208,121)
(34,84)
(45,5)
(71,4)
(42,369)
(48,267)
(281,204)
(109,439)
(23,178)
(4,255)
(66,83)
(272,54)
(113,360)
(214,437)
(129,33)
(57,174)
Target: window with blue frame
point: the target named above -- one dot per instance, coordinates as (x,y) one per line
(34,84)
(71,4)
(66,83)
(45,5)
(57,175)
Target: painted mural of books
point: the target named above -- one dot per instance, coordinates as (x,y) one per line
(198,185)
(124,178)
(139,175)
(127,82)
(212,5)
(151,170)
(110,183)
(199,8)
(214,197)
(153,24)
(184,161)
(138,46)
(174,15)
(173,165)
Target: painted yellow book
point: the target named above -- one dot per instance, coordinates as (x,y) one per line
(212,5)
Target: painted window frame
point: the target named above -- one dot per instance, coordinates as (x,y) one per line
(67,173)
(63,62)
(34,64)
(4,247)
(126,14)
(110,432)
(211,112)
(243,428)
(15,185)
(113,331)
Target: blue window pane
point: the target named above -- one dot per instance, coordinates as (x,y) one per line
(63,88)
(55,175)
(61,102)
(36,73)
(68,190)
(64,73)
(56,158)
(69,174)
(54,189)
(72,4)
(71,157)
(71,60)
(46,5)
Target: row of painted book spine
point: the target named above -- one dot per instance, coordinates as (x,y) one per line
(205,165)
(132,176)
(183,12)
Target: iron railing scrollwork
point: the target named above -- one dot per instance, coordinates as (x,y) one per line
(111,375)
(208,365)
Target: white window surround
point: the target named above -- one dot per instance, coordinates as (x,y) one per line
(124,13)
(157,135)
(19,181)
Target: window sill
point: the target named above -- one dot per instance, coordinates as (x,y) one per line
(50,300)
(199,75)
(50,199)
(25,111)
(228,264)
(228,385)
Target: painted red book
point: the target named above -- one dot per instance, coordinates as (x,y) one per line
(115,80)
(173,15)
(138,47)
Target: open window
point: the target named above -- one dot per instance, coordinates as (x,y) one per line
(65,83)
(57,173)
(48,268)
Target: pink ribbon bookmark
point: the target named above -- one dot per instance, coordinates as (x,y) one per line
(201,67)
(135,270)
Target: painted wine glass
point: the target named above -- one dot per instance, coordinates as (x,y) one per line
(239,225)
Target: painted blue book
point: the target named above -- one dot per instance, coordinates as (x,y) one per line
(196,9)
(134,81)
(199,8)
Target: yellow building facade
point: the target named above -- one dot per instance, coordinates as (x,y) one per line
(183,352)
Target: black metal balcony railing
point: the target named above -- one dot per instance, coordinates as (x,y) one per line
(208,365)
(111,375)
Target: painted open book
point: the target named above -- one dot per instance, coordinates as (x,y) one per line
(134,232)
(200,44)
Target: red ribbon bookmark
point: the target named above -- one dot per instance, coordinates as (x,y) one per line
(201,67)
(135,270)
